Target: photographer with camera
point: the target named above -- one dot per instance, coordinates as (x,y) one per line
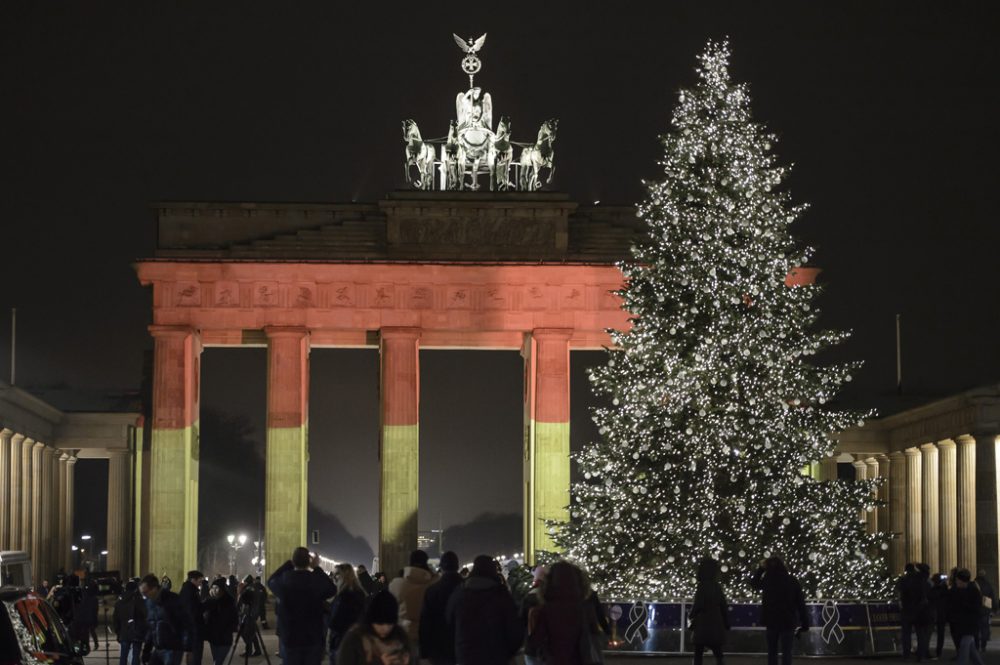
(302,589)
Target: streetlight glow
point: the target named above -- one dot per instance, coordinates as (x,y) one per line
(231,538)
(85,537)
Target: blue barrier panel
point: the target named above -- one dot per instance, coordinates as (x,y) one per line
(838,628)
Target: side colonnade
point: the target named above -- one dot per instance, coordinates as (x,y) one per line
(941,463)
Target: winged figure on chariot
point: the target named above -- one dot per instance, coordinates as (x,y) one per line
(473,148)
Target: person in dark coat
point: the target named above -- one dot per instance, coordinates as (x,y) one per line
(190,595)
(937,598)
(302,589)
(783,608)
(377,639)
(989,606)
(260,596)
(484,617)
(559,626)
(247,610)
(220,621)
(167,621)
(531,600)
(86,614)
(914,610)
(66,599)
(437,636)
(366,580)
(348,606)
(709,615)
(128,621)
(965,607)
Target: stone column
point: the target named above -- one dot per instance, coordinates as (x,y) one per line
(871,519)
(882,512)
(861,473)
(929,505)
(897,512)
(37,507)
(987,516)
(173,515)
(828,468)
(948,509)
(914,505)
(965,479)
(13,510)
(5,437)
(399,445)
(286,469)
(546,446)
(27,483)
(47,553)
(69,508)
(119,511)
(62,556)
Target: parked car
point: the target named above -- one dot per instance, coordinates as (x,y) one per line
(31,631)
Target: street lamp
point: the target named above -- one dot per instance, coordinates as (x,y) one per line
(103,561)
(235,543)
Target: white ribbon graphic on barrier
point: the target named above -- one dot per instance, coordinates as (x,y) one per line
(831,623)
(636,631)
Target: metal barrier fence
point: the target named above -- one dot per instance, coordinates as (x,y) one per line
(838,628)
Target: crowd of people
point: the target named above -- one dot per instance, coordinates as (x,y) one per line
(477,616)
(954,603)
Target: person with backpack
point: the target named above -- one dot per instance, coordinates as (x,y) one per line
(167,622)
(128,621)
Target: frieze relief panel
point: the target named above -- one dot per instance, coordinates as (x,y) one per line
(265,294)
(187,294)
(226,294)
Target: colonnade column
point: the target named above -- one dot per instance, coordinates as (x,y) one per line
(914,521)
(37,492)
(965,475)
(5,496)
(871,519)
(286,468)
(119,511)
(68,509)
(987,517)
(173,515)
(49,516)
(399,445)
(27,483)
(897,511)
(882,519)
(62,558)
(861,473)
(948,510)
(828,468)
(13,509)
(546,436)
(929,505)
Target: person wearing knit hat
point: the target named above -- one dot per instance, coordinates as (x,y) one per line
(377,639)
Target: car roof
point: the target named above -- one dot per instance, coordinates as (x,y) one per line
(13,592)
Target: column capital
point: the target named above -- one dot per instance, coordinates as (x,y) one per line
(552,333)
(6,434)
(18,438)
(928,447)
(72,459)
(881,458)
(945,443)
(896,456)
(912,452)
(286,331)
(64,457)
(157,330)
(38,445)
(399,332)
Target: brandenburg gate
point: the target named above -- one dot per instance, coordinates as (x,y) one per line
(532,272)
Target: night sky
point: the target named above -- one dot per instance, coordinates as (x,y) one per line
(887,110)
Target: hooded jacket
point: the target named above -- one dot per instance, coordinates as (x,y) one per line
(409,590)
(484,617)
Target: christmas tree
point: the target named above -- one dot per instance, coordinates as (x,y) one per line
(717,402)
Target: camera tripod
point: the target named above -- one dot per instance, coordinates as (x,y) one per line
(242,631)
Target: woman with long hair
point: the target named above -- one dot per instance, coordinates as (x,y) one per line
(563,627)
(377,639)
(347,608)
(709,618)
